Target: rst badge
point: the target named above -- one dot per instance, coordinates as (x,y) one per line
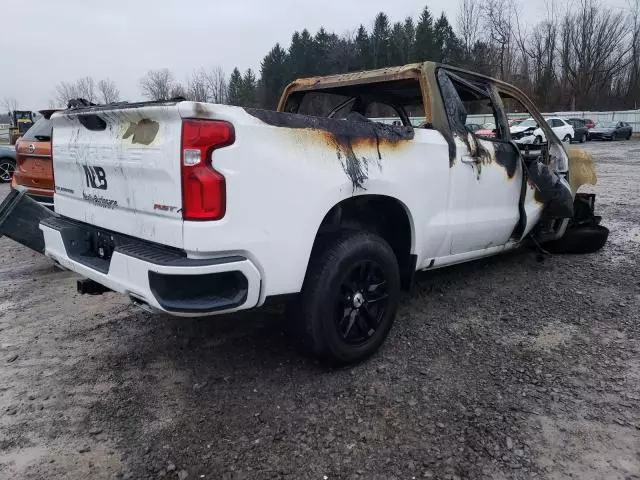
(96,177)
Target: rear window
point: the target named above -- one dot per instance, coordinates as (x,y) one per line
(321,104)
(394,102)
(39,131)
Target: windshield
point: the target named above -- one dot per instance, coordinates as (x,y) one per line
(606,124)
(530,122)
(489,126)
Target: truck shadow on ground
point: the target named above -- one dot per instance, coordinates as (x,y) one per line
(258,339)
(235,390)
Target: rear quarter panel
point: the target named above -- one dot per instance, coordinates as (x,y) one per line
(281,182)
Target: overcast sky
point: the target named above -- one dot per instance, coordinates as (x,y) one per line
(43,42)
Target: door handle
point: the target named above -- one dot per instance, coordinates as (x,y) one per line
(469,159)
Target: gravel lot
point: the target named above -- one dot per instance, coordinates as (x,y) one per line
(503,368)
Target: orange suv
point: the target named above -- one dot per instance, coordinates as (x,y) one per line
(34,166)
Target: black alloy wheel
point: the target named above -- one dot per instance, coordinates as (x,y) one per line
(361,303)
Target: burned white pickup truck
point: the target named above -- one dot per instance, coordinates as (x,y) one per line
(199,209)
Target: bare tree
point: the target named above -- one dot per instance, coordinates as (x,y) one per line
(65,91)
(10,104)
(157,84)
(108,92)
(498,17)
(469,24)
(178,91)
(216,81)
(87,89)
(633,90)
(594,51)
(543,46)
(197,86)
(84,87)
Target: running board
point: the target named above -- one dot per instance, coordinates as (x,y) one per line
(20,218)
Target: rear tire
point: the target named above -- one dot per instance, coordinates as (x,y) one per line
(567,139)
(7,169)
(629,136)
(580,240)
(349,298)
(583,138)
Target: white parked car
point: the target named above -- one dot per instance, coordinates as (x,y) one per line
(528,132)
(197,209)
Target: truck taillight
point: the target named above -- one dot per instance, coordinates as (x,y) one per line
(203,189)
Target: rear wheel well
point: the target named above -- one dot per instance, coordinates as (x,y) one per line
(379,214)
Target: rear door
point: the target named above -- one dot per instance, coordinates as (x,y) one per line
(119,169)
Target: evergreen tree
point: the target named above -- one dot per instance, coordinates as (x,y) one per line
(397,45)
(301,55)
(322,48)
(248,89)
(424,45)
(380,41)
(410,37)
(235,88)
(273,77)
(363,49)
(344,56)
(447,47)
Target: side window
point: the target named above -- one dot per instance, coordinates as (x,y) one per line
(468,101)
(382,112)
(557,123)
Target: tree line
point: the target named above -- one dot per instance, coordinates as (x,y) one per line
(586,57)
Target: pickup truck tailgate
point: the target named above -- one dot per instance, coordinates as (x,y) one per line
(118,168)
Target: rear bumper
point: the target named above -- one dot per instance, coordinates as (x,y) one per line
(162,278)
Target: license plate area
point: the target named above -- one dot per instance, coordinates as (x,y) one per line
(101,244)
(90,246)
(94,247)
